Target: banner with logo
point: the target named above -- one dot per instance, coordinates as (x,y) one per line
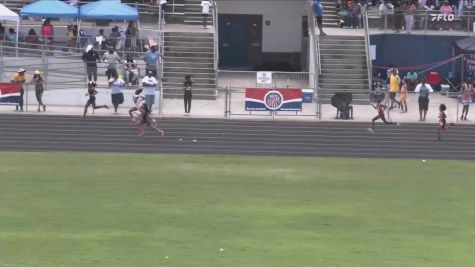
(260,99)
(10,93)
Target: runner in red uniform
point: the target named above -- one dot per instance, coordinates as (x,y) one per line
(380,108)
(443,127)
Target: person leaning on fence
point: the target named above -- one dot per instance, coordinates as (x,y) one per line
(187,86)
(20,77)
(90,58)
(111,58)
(149,84)
(116,83)
(39,89)
(467,94)
(152,60)
(47,31)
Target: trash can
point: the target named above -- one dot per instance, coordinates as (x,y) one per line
(307,96)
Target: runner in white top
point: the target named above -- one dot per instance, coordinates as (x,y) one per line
(116,83)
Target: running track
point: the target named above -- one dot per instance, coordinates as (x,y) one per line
(234,137)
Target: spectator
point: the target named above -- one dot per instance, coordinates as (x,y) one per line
(163,6)
(72,36)
(386,11)
(149,84)
(355,11)
(394,82)
(403,95)
(131,71)
(468,92)
(409,16)
(131,34)
(205,9)
(47,31)
(318,9)
(100,40)
(398,16)
(111,57)
(187,94)
(91,57)
(152,60)
(114,38)
(12,35)
(20,77)
(446,10)
(32,38)
(39,89)
(116,83)
(423,89)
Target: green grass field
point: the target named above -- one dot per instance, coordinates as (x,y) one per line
(130,210)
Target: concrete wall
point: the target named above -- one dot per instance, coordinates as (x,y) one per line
(284,34)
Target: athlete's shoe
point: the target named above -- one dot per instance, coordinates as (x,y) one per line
(370,130)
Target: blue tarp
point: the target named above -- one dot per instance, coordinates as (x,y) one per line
(108,9)
(49,9)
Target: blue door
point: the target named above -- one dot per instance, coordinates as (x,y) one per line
(233,43)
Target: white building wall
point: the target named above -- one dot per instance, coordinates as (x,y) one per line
(284,34)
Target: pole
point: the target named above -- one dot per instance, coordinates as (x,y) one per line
(461,80)
(17,33)
(26,96)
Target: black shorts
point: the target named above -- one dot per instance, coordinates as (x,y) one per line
(91,101)
(117,99)
(392,95)
(423,103)
(319,20)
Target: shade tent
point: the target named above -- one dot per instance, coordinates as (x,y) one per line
(50,9)
(466,45)
(108,10)
(7,14)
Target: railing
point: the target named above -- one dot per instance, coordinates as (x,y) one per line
(216,38)
(248,79)
(314,50)
(161,49)
(369,65)
(424,22)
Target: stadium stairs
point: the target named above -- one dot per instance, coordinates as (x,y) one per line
(190,53)
(330,18)
(344,68)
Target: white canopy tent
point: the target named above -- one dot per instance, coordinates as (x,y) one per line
(7,14)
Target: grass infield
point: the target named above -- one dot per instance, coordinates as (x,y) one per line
(131,210)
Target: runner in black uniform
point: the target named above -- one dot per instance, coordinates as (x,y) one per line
(91,92)
(146,119)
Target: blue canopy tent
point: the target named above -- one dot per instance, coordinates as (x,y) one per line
(50,9)
(108,10)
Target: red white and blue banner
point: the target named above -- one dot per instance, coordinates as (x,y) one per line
(10,93)
(261,99)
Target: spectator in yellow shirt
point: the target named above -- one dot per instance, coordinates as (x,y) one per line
(394,82)
(20,77)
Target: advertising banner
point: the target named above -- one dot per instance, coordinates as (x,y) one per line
(260,99)
(10,93)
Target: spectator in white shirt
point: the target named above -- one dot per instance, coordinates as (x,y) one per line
(149,84)
(205,9)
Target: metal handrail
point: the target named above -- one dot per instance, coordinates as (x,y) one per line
(369,64)
(216,39)
(315,49)
(161,49)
